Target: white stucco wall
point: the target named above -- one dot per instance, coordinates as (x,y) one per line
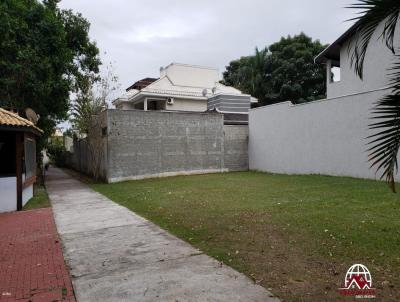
(8,194)
(322,137)
(188,105)
(124,106)
(377,62)
(179,105)
(27,194)
(190,75)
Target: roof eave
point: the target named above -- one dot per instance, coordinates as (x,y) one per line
(332,52)
(21,129)
(150,94)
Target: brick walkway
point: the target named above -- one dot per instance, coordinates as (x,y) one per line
(32,265)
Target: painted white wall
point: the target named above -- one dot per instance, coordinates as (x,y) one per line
(377,62)
(188,105)
(322,137)
(8,194)
(179,105)
(125,106)
(27,194)
(162,84)
(190,75)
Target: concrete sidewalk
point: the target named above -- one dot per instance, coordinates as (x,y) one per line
(116,255)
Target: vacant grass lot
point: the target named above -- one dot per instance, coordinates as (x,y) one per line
(39,199)
(296,235)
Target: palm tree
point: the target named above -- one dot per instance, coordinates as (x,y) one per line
(384,145)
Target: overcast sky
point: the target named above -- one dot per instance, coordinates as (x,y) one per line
(140,36)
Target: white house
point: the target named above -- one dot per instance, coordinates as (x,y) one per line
(337,57)
(183,87)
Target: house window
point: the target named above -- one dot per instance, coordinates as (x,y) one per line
(30,157)
(335,71)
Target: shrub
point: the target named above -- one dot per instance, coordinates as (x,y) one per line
(58,154)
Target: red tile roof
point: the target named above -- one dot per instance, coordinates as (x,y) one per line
(142,83)
(8,118)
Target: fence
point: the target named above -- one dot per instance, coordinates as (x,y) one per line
(322,137)
(139,144)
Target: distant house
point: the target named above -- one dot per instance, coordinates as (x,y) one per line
(183,87)
(341,77)
(18,160)
(60,138)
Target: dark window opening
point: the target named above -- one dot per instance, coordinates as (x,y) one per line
(7,154)
(30,158)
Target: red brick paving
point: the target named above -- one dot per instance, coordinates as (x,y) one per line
(32,265)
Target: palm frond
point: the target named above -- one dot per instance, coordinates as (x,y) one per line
(385,143)
(372,14)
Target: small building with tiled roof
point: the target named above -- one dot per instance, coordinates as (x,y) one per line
(12,121)
(18,160)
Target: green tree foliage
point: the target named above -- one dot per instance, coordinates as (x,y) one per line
(45,54)
(385,143)
(57,153)
(284,71)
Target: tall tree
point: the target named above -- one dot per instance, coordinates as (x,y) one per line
(386,142)
(45,54)
(248,73)
(284,71)
(89,103)
(93,98)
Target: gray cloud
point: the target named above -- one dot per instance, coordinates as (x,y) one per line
(140,36)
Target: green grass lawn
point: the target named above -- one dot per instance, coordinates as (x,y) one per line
(39,199)
(296,235)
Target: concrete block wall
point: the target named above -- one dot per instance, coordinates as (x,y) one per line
(76,157)
(139,144)
(86,156)
(322,137)
(236,147)
(157,143)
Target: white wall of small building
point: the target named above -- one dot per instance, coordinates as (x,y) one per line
(179,104)
(188,105)
(8,196)
(190,75)
(125,106)
(27,194)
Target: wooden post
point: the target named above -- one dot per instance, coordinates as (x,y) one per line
(19,141)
